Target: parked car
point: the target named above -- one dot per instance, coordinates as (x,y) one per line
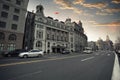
(14,53)
(65,52)
(32,53)
(88,50)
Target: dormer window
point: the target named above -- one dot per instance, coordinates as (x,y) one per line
(18,2)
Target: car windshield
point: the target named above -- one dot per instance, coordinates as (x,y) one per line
(34,51)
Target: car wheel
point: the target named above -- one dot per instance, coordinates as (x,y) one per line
(25,56)
(39,55)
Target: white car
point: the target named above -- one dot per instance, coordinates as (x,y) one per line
(87,51)
(32,53)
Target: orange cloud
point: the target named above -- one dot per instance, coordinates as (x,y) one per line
(78,1)
(67,5)
(112,24)
(98,5)
(116,1)
(112,10)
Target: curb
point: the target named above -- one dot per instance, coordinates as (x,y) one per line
(116,69)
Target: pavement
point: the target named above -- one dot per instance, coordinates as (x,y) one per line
(96,66)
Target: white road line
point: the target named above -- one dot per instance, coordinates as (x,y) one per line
(116,69)
(87,58)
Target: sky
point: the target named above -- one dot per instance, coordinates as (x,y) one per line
(99,17)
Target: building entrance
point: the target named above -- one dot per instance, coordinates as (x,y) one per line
(58,49)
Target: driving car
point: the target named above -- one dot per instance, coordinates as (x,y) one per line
(65,52)
(14,53)
(32,53)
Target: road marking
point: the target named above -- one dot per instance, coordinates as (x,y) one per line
(25,75)
(35,61)
(108,54)
(116,69)
(87,58)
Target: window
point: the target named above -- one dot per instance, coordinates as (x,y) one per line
(12,37)
(15,17)
(38,44)
(18,2)
(1,47)
(71,39)
(5,7)
(2,24)
(48,44)
(53,37)
(4,14)
(14,26)
(2,36)
(57,38)
(39,26)
(48,36)
(11,47)
(17,10)
(71,45)
(39,34)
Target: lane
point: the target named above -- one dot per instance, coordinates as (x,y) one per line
(17,59)
(97,68)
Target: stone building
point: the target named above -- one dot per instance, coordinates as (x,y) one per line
(12,23)
(52,35)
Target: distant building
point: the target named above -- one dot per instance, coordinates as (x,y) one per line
(12,23)
(93,45)
(51,35)
(105,45)
(117,44)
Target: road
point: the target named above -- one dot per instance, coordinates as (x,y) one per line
(95,66)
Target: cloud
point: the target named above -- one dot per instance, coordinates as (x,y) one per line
(112,10)
(93,22)
(78,1)
(108,11)
(67,5)
(102,13)
(112,24)
(98,5)
(116,1)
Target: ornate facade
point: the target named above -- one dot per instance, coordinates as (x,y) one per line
(51,35)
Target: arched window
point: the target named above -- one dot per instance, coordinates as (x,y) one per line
(2,36)
(38,44)
(12,37)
